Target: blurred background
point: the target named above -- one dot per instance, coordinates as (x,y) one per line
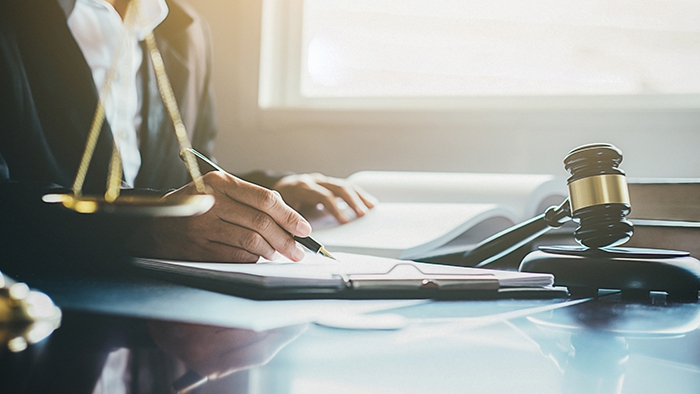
(507,86)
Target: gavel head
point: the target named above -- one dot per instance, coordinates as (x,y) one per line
(598,195)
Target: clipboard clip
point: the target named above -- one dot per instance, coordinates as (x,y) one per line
(410,277)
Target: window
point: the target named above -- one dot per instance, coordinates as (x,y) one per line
(446,52)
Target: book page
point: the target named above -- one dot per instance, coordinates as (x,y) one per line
(423,214)
(526,195)
(409,230)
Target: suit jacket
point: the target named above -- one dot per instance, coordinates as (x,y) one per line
(47,102)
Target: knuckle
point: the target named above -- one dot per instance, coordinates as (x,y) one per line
(250,241)
(292,217)
(306,178)
(269,199)
(214,178)
(343,185)
(327,195)
(289,244)
(262,222)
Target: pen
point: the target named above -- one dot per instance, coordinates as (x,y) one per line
(307,242)
(313,246)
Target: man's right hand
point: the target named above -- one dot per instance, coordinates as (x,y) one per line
(247,221)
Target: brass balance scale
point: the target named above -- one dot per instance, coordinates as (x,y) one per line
(28,316)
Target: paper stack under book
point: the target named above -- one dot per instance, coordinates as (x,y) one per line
(666,214)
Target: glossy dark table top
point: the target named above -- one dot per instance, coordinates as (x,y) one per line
(132,334)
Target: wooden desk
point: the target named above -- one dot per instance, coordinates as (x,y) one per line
(509,346)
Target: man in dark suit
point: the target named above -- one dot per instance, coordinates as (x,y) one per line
(47,102)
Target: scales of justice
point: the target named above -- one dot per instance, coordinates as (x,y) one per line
(28,316)
(132,205)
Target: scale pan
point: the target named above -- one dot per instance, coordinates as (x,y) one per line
(190,205)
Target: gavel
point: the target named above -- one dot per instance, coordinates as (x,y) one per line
(598,200)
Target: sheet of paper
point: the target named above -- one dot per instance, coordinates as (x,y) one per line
(406,230)
(319,271)
(523,194)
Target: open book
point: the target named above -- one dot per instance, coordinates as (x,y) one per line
(424,215)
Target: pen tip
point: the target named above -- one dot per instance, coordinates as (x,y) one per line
(324,252)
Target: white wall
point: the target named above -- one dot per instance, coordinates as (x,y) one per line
(655,143)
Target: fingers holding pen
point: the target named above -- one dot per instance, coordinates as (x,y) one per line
(260,221)
(261,199)
(246,222)
(256,232)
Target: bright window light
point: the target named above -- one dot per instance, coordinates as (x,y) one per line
(448,48)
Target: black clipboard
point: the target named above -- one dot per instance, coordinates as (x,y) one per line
(388,279)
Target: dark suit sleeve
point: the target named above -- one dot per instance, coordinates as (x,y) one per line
(31,231)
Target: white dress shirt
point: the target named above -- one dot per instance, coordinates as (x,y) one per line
(100,32)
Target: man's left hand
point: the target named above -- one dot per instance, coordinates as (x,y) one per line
(305,191)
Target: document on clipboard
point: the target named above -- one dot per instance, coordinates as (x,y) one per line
(350,276)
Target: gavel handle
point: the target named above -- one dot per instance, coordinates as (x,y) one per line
(510,239)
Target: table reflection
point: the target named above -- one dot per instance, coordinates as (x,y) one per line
(600,335)
(605,345)
(214,352)
(106,354)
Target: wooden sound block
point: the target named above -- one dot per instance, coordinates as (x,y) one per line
(634,271)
